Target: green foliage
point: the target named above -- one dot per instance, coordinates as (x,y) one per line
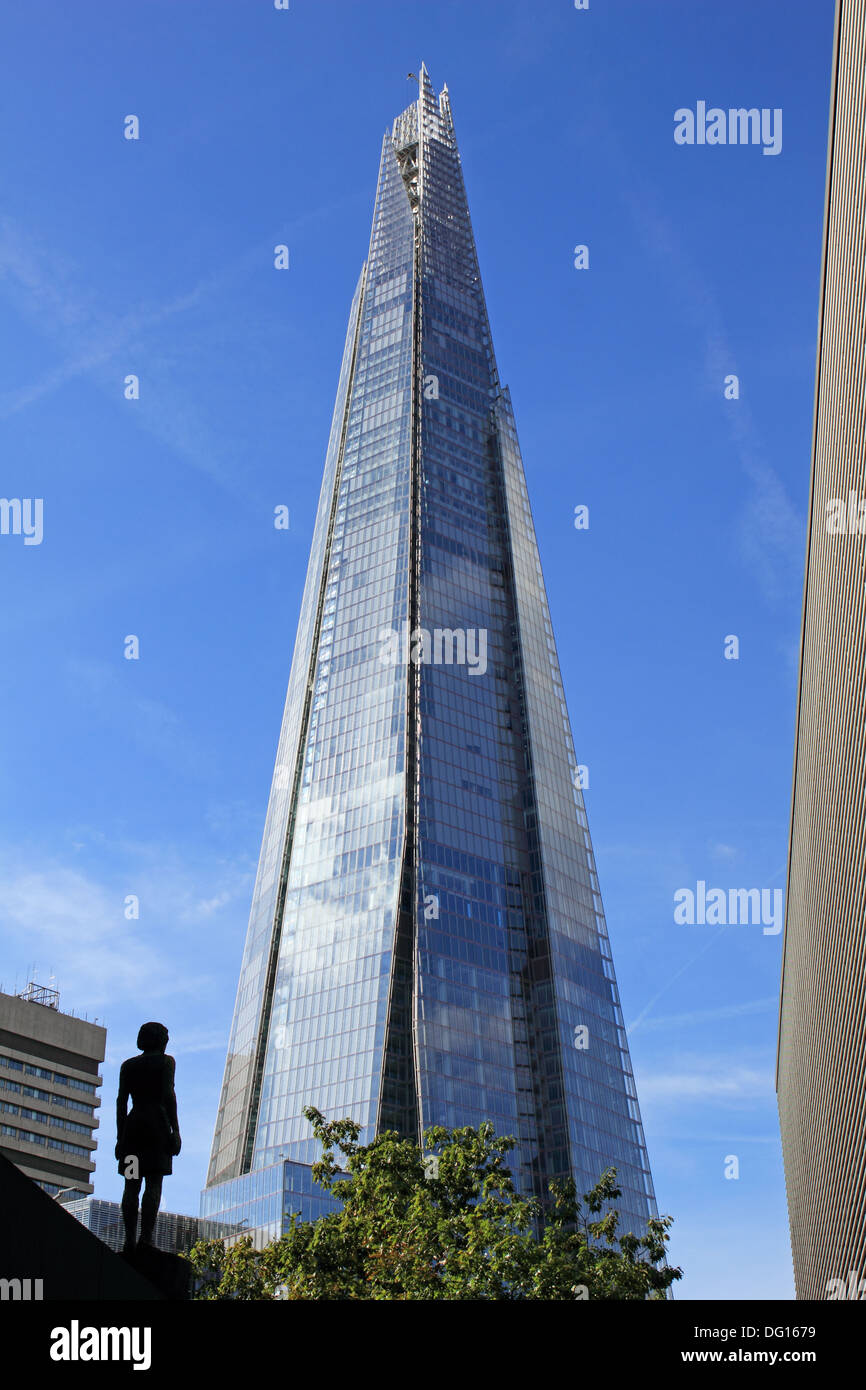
(461,1233)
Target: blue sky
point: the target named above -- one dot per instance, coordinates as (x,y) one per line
(155,257)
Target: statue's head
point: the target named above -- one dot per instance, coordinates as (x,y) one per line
(152,1037)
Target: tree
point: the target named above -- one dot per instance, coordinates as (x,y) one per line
(456,1229)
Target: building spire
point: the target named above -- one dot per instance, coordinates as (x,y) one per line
(425,86)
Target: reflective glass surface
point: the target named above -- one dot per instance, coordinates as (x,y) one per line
(427,943)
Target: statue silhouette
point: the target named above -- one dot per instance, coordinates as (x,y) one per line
(149,1136)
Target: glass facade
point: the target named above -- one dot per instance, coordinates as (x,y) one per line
(262,1202)
(427,942)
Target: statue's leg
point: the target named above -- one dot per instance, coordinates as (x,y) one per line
(150,1205)
(129,1208)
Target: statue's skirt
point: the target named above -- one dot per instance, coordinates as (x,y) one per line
(146,1135)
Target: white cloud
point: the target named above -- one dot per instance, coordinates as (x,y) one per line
(734,1079)
(67,923)
(721,851)
(770,530)
(737,1083)
(724,1011)
(65,920)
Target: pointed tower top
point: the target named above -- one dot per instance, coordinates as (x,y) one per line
(426,99)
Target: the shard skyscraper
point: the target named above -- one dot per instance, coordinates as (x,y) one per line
(427,942)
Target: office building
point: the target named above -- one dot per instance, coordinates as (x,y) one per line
(174,1232)
(49,1089)
(427,942)
(821,1072)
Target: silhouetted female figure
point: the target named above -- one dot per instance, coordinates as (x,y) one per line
(149,1136)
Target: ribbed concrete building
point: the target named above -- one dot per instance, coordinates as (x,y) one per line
(49,1075)
(174,1231)
(821,1073)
